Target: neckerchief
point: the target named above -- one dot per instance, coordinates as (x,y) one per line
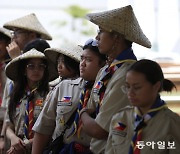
(29,115)
(141,121)
(100,88)
(84,97)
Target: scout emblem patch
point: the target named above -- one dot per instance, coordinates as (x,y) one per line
(39,102)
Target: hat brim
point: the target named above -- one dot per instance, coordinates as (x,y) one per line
(12,68)
(30,23)
(42,35)
(123,21)
(52,54)
(5,32)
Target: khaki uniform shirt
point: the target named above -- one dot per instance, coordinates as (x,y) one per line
(2,79)
(6,95)
(163,127)
(114,99)
(58,109)
(20,113)
(55,82)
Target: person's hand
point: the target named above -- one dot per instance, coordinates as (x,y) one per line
(13,50)
(28,143)
(88,111)
(2,144)
(17,146)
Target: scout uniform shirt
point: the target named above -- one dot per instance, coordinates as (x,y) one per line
(114,99)
(160,135)
(2,80)
(59,105)
(7,90)
(20,113)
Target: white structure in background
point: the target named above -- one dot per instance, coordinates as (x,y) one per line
(160,21)
(49,12)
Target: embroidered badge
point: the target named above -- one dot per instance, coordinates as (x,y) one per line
(61,121)
(65,101)
(39,102)
(97,87)
(119,126)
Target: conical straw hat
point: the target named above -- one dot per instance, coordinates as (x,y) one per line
(70,50)
(12,67)
(31,23)
(123,21)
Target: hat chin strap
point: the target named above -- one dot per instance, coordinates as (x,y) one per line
(115,50)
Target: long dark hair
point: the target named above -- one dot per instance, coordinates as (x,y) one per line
(71,64)
(19,89)
(153,73)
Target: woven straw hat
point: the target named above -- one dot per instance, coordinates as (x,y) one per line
(30,23)
(69,50)
(12,67)
(123,21)
(5,32)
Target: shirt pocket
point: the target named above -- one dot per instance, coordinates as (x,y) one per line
(118,140)
(64,112)
(118,137)
(37,111)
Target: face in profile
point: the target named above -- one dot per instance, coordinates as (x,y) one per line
(89,65)
(22,37)
(105,41)
(140,91)
(63,71)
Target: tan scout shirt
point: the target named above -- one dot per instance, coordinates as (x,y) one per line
(59,105)
(20,113)
(6,95)
(163,127)
(114,99)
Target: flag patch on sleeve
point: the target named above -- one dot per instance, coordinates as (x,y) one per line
(119,126)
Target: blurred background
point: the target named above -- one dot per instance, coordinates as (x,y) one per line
(64,20)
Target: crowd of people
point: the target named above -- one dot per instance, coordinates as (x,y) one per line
(97,97)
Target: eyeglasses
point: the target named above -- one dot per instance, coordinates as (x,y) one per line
(17,32)
(91,42)
(33,66)
(125,89)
